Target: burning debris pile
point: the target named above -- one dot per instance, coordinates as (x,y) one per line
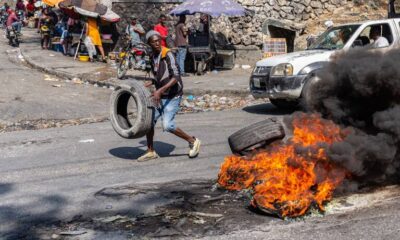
(289,177)
(353,138)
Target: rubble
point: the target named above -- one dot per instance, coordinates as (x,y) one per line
(46,123)
(189,104)
(207,103)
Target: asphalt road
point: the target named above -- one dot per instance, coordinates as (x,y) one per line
(27,94)
(53,174)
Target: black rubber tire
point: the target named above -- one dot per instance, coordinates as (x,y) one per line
(284,104)
(255,136)
(307,94)
(123,67)
(118,110)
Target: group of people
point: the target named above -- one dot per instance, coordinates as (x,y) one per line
(136,31)
(374,40)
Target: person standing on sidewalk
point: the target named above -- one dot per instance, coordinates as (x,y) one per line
(167,97)
(162,29)
(92,31)
(181,43)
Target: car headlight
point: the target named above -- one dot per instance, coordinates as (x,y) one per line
(284,69)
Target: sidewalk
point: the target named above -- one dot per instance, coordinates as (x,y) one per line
(232,82)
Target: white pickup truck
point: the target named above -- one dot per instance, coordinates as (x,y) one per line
(286,79)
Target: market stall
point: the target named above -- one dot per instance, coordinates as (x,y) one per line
(201,43)
(84,10)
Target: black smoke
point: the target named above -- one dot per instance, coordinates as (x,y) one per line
(360,89)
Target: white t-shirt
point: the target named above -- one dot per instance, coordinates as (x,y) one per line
(380,43)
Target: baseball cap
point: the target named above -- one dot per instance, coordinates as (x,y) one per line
(150,34)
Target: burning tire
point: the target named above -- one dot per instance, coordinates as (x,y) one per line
(131,110)
(256,136)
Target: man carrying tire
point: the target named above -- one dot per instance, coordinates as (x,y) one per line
(167,97)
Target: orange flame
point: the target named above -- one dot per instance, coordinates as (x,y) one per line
(288,178)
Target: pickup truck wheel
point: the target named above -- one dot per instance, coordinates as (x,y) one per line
(308,94)
(256,136)
(131,110)
(284,104)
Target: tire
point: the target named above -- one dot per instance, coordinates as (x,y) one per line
(123,67)
(284,104)
(200,68)
(255,136)
(119,101)
(308,102)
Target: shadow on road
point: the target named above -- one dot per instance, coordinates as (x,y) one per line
(268,108)
(133,153)
(22,222)
(5,188)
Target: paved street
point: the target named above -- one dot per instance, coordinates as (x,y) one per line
(56,174)
(26,94)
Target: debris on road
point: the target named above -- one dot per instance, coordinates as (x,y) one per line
(87,141)
(46,123)
(77,81)
(50,78)
(73,233)
(207,103)
(182,211)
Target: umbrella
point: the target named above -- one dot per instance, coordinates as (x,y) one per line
(89,8)
(213,8)
(51,3)
(39,4)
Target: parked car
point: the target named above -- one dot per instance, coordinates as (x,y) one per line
(287,79)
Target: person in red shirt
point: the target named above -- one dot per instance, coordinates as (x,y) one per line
(30,8)
(162,29)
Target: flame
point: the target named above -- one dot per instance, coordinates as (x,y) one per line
(286,179)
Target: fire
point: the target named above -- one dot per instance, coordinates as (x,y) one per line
(288,178)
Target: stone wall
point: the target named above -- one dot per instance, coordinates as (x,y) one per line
(246,31)
(242,31)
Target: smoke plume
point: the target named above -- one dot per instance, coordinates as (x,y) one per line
(360,90)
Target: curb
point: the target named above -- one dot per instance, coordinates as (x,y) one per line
(86,78)
(68,76)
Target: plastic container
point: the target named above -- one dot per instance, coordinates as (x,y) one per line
(83,58)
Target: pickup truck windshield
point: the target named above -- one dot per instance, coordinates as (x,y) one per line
(334,38)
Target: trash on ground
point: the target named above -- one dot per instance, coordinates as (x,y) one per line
(73,233)
(77,81)
(87,141)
